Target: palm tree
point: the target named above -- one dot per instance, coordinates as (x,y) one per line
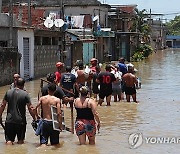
(140,25)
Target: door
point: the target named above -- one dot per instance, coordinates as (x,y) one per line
(68,57)
(26,58)
(123,49)
(88,50)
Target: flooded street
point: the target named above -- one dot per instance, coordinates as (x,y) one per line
(157,115)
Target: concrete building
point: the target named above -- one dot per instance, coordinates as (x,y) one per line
(17,46)
(39,46)
(173,41)
(93,44)
(158,33)
(120,20)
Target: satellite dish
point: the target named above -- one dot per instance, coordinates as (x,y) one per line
(96,18)
(58,22)
(48,23)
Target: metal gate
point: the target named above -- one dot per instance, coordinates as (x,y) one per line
(26,58)
(88,49)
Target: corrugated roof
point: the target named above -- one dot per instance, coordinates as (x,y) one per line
(172,37)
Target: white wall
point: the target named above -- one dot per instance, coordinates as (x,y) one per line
(26,33)
(92,10)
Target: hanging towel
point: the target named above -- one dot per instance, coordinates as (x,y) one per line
(77,21)
(87,21)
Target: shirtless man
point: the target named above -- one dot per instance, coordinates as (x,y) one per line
(81,78)
(45,103)
(130,81)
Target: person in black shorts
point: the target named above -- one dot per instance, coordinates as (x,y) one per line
(45,126)
(95,88)
(67,82)
(15,125)
(130,81)
(105,79)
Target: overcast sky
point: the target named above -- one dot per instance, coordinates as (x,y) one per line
(157,6)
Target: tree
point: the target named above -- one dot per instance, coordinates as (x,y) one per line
(174,26)
(140,24)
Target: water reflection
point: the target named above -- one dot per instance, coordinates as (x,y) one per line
(156,115)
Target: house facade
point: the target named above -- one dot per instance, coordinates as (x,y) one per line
(120,20)
(173,41)
(40,47)
(158,34)
(93,45)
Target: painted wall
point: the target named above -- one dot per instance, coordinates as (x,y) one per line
(27,33)
(88,49)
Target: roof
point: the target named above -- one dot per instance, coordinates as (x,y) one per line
(128,33)
(52,2)
(173,37)
(124,8)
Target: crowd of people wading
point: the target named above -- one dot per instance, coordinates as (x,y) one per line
(81,87)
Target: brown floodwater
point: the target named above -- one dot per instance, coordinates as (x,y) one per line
(157,115)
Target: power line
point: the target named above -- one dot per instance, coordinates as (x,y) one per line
(171,13)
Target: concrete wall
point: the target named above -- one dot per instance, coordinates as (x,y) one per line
(4,35)
(9,65)
(45,58)
(4,20)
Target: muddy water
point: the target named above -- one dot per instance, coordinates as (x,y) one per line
(157,115)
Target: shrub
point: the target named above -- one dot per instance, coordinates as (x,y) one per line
(143,51)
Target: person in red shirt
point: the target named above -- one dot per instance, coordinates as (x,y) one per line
(59,66)
(94,63)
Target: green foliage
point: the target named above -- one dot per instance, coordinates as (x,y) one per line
(137,56)
(139,22)
(174,26)
(143,51)
(140,25)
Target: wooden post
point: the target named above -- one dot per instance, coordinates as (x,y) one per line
(72,119)
(41,85)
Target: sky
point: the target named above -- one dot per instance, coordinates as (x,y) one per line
(157,6)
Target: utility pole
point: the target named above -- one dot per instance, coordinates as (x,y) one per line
(10,23)
(29,13)
(63,46)
(0,6)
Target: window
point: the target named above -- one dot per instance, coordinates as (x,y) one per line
(3,43)
(46,41)
(37,40)
(54,41)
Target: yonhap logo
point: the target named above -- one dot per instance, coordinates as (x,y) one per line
(135,140)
